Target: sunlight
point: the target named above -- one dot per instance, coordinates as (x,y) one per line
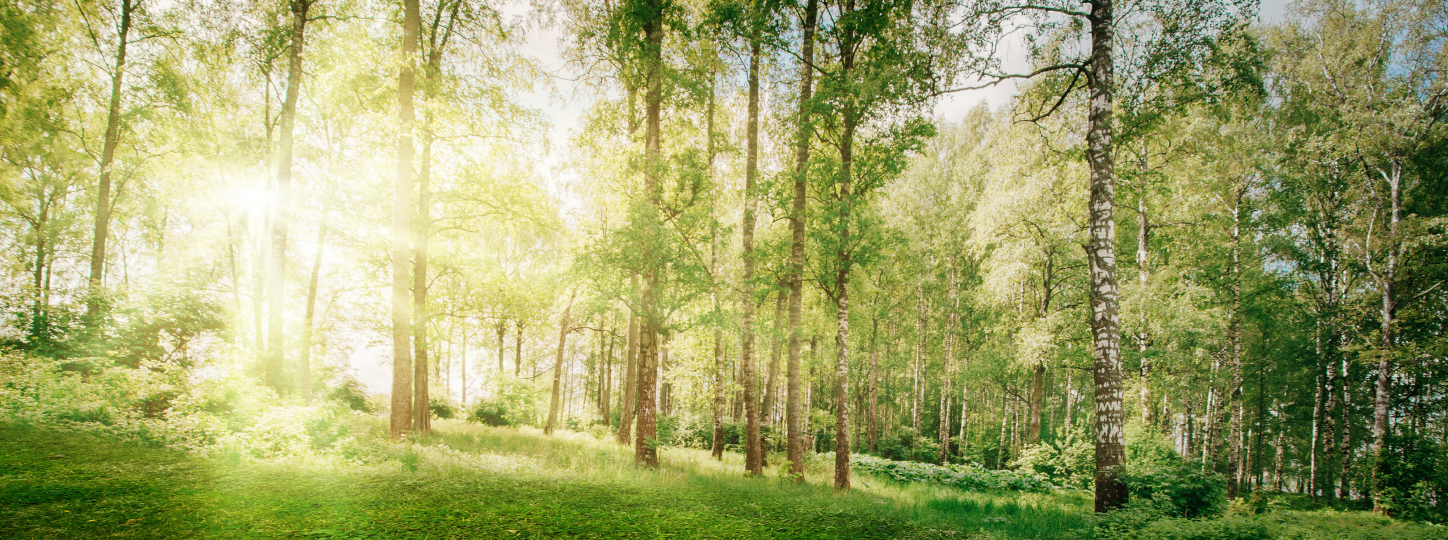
(468,269)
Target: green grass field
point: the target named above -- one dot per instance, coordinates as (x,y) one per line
(472,482)
(467,481)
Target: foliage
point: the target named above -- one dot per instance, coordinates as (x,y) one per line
(441,408)
(1154,472)
(1414,479)
(162,326)
(970,477)
(1069,462)
(904,444)
(352,393)
(490,413)
(156,406)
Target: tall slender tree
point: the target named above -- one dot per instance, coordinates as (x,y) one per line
(402,370)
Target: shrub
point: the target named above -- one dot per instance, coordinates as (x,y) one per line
(351,393)
(1070,461)
(1414,478)
(490,414)
(1191,492)
(441,409)
(970,477)
(1155,471)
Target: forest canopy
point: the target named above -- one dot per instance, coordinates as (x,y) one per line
(1190,250)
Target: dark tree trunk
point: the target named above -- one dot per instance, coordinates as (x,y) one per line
(275,362)
(103,182)
(518,351)
(421,417)
(502,334)
(1038,400)
(1234,332)
(767,410)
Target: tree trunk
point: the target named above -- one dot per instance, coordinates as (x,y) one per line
(843,256)
(1382,404)
(281,211)
(304,366)
(717,451)
(1344,478)
(1315,480)
(645,449)
(402,373)
(752,465)
(666,390)
(558,366)
(766,411)
(502,333)
(630,379)
(103,182)
(421,416)
(518,351)
(1105,322)
(1235,335)
(873,429)
(605,372)
(1038,400)
(917,383)
(1143,339)
(463,371)
(794,437)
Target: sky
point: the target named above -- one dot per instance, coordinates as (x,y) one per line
(564,107)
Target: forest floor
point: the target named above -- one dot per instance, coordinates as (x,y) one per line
(467,481)
(474,482)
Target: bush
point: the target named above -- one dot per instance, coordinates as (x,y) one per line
(441,409)
(1155,471)
(903,444)
(1414,479)
(490,414)
(970,477)
(351,393)
(1191,492)
(1069,462)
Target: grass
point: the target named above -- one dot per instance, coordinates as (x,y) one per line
(468,481)
(472,482)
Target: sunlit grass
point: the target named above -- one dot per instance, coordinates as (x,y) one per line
(1028,515)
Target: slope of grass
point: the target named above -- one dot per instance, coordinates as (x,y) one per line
(468,482)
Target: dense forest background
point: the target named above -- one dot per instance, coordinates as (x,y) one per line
(1188,233)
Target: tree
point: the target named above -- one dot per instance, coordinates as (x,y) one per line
(563,329)
(402,370)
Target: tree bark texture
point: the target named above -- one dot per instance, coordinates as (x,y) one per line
(752,464)
(794,436)
(645,449)
(843,258)
(1105,314)
(1382,404)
